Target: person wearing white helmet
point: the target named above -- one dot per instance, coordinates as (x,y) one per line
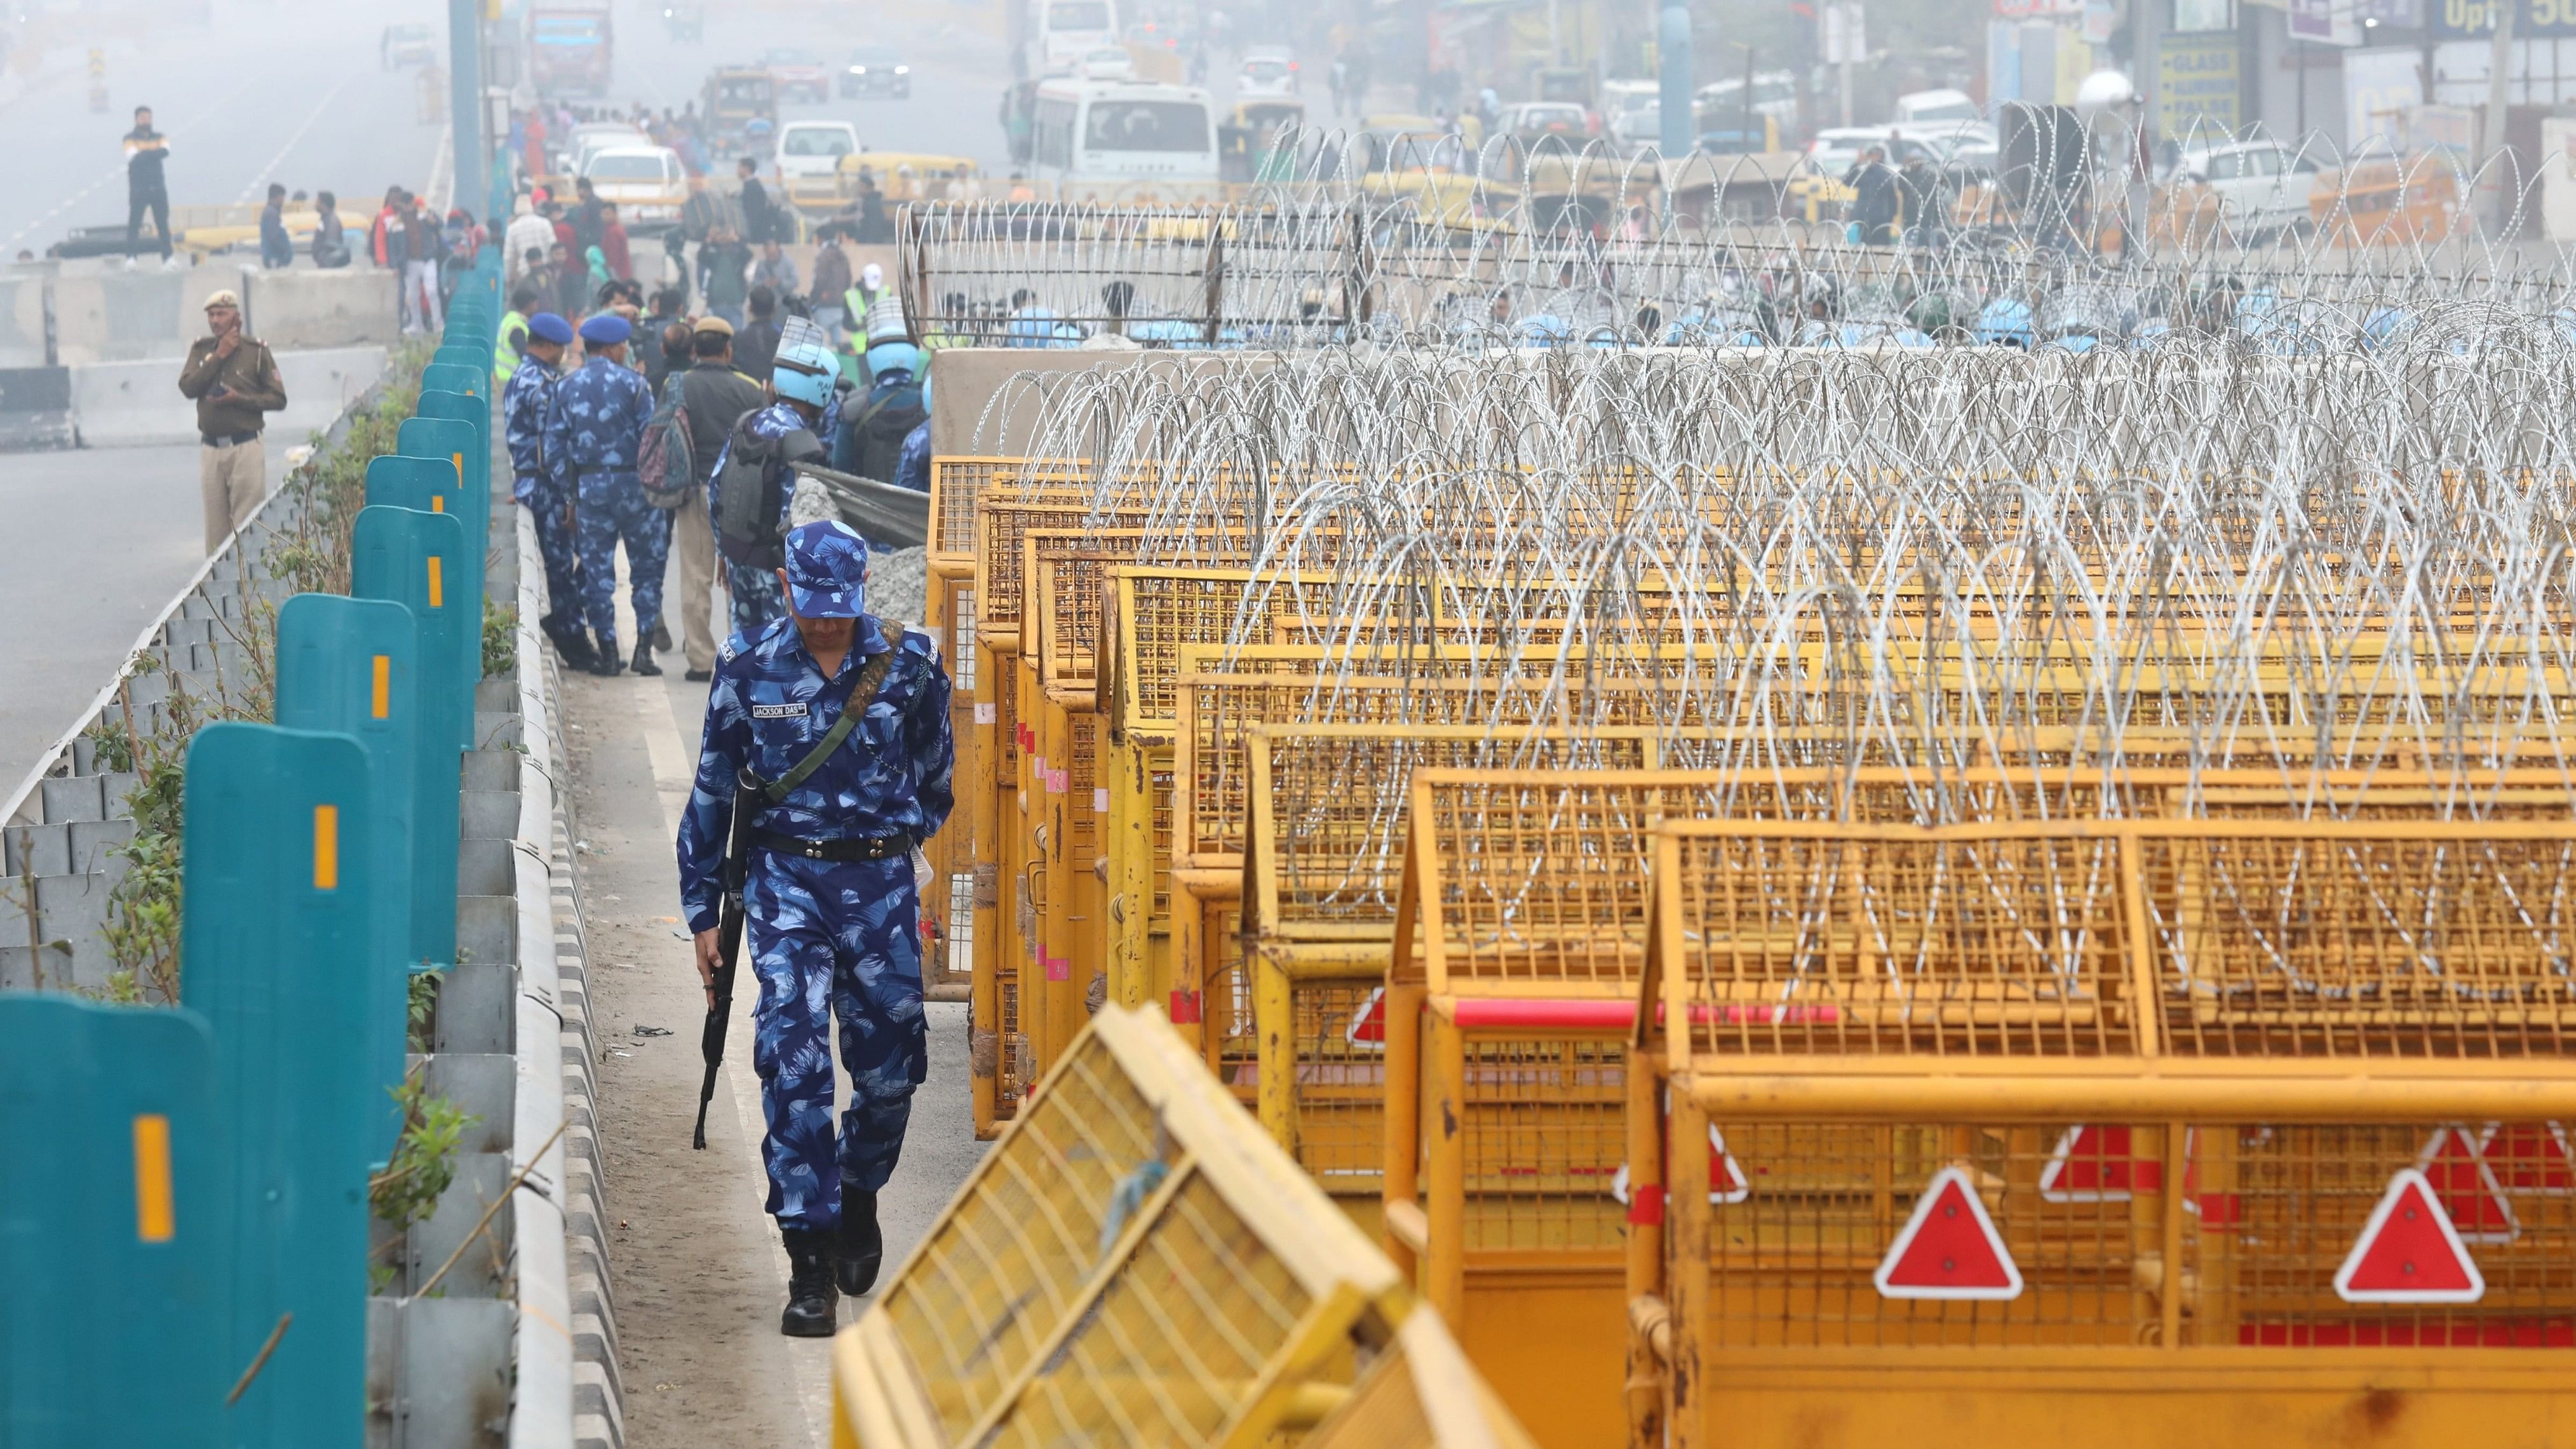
(864,295)
(754,479)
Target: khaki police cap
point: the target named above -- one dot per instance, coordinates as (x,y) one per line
(714,324)
(225,297)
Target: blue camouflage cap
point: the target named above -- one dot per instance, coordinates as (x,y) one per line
(550,327)
(827,570)
(606,329)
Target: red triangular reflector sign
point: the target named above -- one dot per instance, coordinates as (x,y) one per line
(1726,1180)
(2467,1188)
(2530,1157)
(1368,1024)
(2408,1252)
(2094,1164)
(1949,1248)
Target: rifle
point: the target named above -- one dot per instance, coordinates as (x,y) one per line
(737,872)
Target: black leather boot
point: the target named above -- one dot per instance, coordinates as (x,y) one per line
(608,663)
(571,644)
(858,1249)
(812,1305)
(643,662)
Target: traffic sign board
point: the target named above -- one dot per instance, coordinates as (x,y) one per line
(2408,1252)
(2470,1195)
(1726,1180)
(1949,1249)
(1367,1030)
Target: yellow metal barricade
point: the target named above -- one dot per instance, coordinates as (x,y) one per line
(1133,1263)
(2127,1132)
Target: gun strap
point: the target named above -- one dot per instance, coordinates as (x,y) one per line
(863,692)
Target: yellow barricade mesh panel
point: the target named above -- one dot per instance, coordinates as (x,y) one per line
(1008,1260)
(1944,946)
(957,485)
(1174,607)
(1544,1142)
(1160,791)
(1082,823)
(1226,1006)
(1014,1073)
(1803,1214)
(1001,558)
(1384,1412)
(1189,1323)
(2357,947)
(1340,1085)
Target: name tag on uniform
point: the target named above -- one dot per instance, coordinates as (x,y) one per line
(777,711)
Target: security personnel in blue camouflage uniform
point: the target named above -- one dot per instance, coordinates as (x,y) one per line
(803,378)
(594,432)
(829,900)
(524,403)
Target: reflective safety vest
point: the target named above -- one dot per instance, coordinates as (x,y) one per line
(505,346)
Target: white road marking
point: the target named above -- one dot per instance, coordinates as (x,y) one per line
(674,774)
(252,191)
(113,172)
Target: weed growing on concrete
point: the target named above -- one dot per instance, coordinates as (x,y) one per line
(424,1156)
(500,639)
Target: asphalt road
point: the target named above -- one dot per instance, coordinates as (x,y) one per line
(100,540)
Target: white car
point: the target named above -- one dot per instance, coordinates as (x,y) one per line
(1268,70)
(1928,107)
(646,183)
(1105,62)
(2262,188)
(592,137)
(814,148)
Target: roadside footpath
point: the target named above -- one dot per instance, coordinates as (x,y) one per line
(697,1272)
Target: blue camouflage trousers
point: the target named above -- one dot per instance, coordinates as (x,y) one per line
(613,509)
(556,544)
(758,601)
(836,937)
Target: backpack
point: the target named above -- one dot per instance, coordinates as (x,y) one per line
(749,500)
(882,424)
(664,463)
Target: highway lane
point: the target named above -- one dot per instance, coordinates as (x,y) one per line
(240,109)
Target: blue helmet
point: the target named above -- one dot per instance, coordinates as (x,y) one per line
(805,367)
(888,357)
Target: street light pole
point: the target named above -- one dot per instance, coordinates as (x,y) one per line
(1673,56)
(465,104)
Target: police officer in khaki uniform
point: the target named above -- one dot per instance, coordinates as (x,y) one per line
(234,380)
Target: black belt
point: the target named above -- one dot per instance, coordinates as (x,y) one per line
(234,441)
(885,847)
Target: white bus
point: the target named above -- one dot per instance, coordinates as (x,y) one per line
(1070,29)
(1125,142)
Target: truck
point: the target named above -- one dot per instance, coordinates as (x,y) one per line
(568,48)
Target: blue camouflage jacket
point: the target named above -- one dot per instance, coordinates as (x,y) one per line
(596,423)
(774,421)
(768,706)
(524,401)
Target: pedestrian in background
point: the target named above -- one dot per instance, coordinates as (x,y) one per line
(594,433)
(775,270)
(724,265)
(276,249)
(527,232)
(330,234)
(233,380)
(716,397)
(831,284)
(612,244)
(572,282)
(830,910)
(526,402)
(381,236)
(755,342)
(589,221)
(422,246)
(146,189)
(757,224)
(512,335)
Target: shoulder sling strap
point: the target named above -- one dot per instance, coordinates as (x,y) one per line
(863,692)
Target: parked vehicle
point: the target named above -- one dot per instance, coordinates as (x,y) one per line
(1109,62)
(647,183)
(798,73)
(1067,30)
(1925,107)
(1126,142)
(1268,70)
(592,137)
(739,100)
(2261,187)
(876,70)
(1534,121)
(814,148)
(569,48)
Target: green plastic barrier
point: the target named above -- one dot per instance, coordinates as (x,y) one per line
(461,446)
(430,485)
(460,343)
(392,551)
(347,666)
(113,1205)
(280,885)
(455,377)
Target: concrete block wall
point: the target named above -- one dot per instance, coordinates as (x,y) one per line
(126,404)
